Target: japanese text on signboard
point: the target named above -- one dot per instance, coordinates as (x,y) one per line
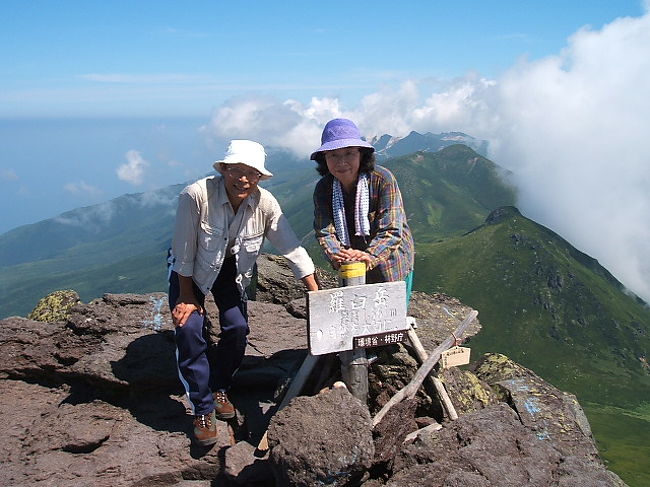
(336,316)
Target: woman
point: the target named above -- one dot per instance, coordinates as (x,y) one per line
(358,210)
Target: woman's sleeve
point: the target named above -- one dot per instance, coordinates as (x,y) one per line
(324,229)
(390,220)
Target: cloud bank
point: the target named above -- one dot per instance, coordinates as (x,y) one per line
(8,175)
(82,188)
(573,127)
(133,171)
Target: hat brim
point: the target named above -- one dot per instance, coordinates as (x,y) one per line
(264,173)
(340,144)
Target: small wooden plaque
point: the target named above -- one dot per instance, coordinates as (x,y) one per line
(454,357)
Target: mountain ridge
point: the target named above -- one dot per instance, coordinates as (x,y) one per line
(499,262)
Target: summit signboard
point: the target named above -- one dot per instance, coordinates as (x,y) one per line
(351,317)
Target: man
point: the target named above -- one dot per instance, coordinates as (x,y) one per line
(221,223)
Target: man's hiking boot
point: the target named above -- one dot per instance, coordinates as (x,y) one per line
(223,408)
(205,429)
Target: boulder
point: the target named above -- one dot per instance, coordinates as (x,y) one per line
(55,306)
(321,440)
(552,415)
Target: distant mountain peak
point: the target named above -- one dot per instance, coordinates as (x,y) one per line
(387,146)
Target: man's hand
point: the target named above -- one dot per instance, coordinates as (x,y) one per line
(183,309)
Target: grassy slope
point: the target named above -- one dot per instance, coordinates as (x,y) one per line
(557,311)
(126,255)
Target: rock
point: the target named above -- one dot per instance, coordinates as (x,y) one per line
(94,399)
(391,371)
(437,316)
(54,442)
(467,392)
(55,306)
(277,284)
(389,434)
(28,350)
(543,439)
(325,439)
(551,414)
(487,447)
(245,468)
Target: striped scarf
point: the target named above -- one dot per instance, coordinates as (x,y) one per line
(361,206)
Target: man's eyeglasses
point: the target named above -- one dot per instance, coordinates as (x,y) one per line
(239,173)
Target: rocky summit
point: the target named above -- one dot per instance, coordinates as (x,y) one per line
(91,397)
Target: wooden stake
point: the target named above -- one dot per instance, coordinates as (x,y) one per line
(294,389)
(427,429)
(437,383)
(412,387)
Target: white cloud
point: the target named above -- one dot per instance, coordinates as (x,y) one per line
(288,124)
(133,171)
(159,198)
(573,127)
(92,218)
(8,175)
(82,188)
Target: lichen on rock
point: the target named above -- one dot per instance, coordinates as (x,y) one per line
(55,306)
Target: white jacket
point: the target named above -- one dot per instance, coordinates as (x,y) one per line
(201,234)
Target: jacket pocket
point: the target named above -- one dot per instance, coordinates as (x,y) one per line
(252,244)
(210,238)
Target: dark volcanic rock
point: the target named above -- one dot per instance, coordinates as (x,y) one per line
(467,392)
(389,434)
(551,414)
(491,447)
(48,441)
(277,284)
(321,440)
(94,399)
(437,316)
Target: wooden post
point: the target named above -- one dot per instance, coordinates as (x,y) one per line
(294,389)
(354,364)
(412,387)
(437,383)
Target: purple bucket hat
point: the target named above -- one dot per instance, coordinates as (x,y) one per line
(339,133)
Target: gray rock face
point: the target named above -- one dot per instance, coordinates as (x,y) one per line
(95,399)
(104,400)
(491,447)
(321,440)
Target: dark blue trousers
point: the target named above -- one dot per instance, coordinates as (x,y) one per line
(204,366)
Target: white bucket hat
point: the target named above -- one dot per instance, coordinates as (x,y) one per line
(245,152)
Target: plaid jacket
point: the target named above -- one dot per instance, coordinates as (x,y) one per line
(390,242)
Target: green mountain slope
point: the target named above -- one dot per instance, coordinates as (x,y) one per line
(557,311)
(118,246)
(546,305)
(449,192)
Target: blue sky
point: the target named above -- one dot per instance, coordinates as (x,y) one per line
(144,58)
(102,98)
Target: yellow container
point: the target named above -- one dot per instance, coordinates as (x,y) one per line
(350,270)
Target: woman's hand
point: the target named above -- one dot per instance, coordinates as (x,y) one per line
(184,308)
(353,255)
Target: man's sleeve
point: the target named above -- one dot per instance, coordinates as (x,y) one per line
(185,232)
(284,239)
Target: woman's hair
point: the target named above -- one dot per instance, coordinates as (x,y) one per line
(367,161)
